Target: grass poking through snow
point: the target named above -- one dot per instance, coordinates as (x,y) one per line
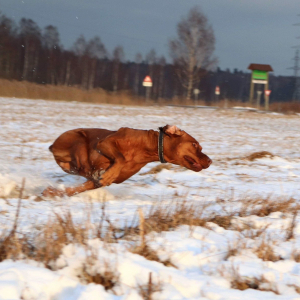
(258,155)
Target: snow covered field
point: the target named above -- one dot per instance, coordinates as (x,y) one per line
(208,260)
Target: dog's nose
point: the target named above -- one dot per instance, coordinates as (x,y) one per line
(209,161)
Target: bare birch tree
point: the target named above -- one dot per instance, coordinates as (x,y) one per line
(30,34)
(52,47)
(66,69)
(80,49)
(118,57)
(138,61)
(96,51)
(151,60)
(161,63)
(192,50)
(8,47)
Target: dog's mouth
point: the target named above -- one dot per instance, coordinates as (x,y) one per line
(194,165)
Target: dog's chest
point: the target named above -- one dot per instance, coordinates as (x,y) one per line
(129,169)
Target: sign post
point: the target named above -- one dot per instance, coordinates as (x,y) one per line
(196,93)
(217,93)
(147,83)
(258,98)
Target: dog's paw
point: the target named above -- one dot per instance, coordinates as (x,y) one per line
(51,192)
(97,175)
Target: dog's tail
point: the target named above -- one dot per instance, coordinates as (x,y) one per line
(50,148)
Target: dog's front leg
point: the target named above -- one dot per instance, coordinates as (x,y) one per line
(108,148)
(69,191)
(112,173)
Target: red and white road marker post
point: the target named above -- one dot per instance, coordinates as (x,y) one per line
(147,83)
(267,95)
(217,93)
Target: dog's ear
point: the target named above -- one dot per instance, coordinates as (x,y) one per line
(172,130)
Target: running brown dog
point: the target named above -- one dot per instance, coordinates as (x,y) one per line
(104,157)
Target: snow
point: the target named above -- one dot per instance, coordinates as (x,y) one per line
(27,129)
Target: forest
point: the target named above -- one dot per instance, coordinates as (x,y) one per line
(30,53)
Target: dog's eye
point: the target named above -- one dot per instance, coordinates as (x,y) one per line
(195,145)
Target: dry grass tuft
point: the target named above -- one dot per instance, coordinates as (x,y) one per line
(150,254)
(266,252)
(25,89)
(296,255)
(254,206)
(264,207)
(291,228)
(47,245)
(146,251)
(258,155)
(222,221)
(11,245)
(158,169)
(285,107)
(146,291)
(57,233)
(143,248)
(253,283)
(165,218)
(234,248)
(243,283)
(108,235)
(232,251)
(108,277)
(251,233)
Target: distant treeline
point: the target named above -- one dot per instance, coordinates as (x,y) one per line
(35,55)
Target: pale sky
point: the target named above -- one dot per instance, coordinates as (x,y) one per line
(247,31)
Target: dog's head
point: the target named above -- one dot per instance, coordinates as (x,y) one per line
(182,149)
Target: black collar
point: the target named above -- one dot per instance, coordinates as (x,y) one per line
(161,146)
